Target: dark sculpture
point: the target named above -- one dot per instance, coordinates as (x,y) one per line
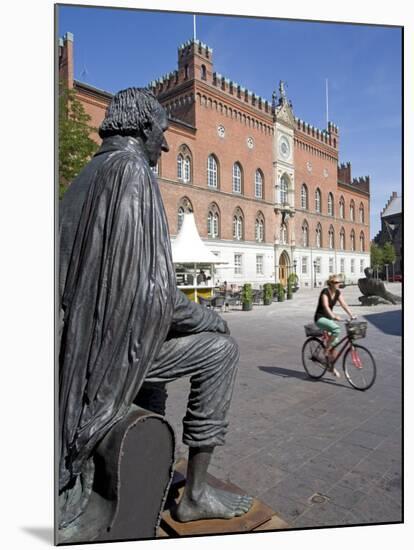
(124,325)
(374,290)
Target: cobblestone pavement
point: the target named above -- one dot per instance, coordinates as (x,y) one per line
(318,452)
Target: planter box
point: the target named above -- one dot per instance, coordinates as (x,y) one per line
(247,307)
(267,302)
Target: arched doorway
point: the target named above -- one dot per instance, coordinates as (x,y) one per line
(283,268)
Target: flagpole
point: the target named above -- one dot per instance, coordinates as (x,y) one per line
(194,25)
(327,104)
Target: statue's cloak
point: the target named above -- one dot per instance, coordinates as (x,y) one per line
(117,292)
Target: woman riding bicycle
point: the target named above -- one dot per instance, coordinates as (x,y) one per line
(325,317)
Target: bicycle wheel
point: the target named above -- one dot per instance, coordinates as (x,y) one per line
(359,367)
(313,357)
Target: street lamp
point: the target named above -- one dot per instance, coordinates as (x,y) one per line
(314,273)
(295,263)
(386,272)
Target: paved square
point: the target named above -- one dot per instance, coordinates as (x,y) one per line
(317,452)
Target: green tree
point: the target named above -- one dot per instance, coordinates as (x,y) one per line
(388,255)
(377,257)
(75,145)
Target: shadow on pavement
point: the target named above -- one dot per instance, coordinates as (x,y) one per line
(388,321)
(285,373)
(44,534)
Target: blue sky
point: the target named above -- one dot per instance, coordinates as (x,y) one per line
(115,49)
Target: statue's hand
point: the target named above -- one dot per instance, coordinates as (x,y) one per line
(225,329)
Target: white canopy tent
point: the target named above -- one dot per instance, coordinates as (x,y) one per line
(189,251)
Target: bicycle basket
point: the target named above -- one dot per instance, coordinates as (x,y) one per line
(357,330)
(313,330)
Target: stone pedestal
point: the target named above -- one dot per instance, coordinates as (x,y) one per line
(259,518)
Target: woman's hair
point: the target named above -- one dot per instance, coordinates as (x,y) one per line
(129,112)
(332,278)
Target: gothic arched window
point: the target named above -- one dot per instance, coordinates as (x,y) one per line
(238,225)
(317,200)
(184,207)
(341,208)
(305,234)
(212,172)
(304,196)
(362,242)
(342,239)
(237,178)
(258,184)
(330,205)
(352,211)
(213,221)
(361,213)
(259,227)
(318,239)
(352,240)
(331,237)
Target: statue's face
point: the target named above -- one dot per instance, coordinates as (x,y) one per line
(155,140)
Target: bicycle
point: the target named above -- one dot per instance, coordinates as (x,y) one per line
(358,363)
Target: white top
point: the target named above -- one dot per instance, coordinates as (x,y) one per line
(188,248)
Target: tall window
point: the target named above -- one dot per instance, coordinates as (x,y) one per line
(212,172)
(352,211)
(237,178)
(331,265)
(238,266)
(330,205)
(284,187)
(213,219)
(203,72)
(187,170)
(305,234)
(318,265)
(352,265)
(362,242)
(361,213)
(259,227)
(342,264)
(318,239)
(341,208)
(180,218)
(184,206)
(283,234)
(258,185)
(317,200)
(304,196)
(238,225)
(259,265)
(304,265)
(361,266)
(331,237)
(342,239)
(352,240)
(180,162)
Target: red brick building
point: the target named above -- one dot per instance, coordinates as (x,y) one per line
(265,187)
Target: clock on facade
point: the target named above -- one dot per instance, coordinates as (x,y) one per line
(284,147)
(221,131)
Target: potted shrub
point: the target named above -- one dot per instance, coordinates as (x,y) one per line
(293,279)
(280,293)
(289,294)
(247,297)
(267,294)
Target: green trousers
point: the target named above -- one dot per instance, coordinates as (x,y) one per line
(329,325)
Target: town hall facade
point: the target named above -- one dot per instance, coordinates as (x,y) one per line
(268,193)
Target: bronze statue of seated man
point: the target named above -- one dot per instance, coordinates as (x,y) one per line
(374,290)
(124,323)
